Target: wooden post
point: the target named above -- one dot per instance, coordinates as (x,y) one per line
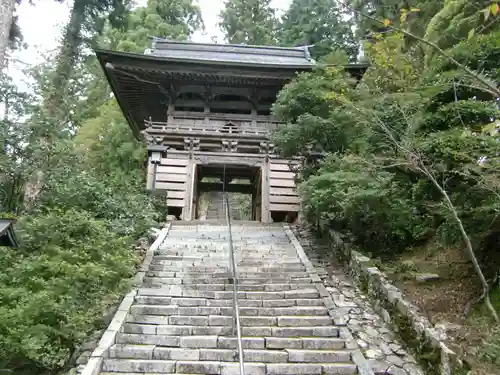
(196,193)
(170,113)
(265,214)
(254,117)
(188,198)
(151,175)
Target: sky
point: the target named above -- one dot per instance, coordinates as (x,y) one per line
(42,26)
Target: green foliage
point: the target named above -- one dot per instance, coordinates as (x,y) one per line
(415,22)
(250,22)
(478,53)
(354,196)
(76,250)
(454,21)
(376,135)
(54,290)
(84,175)
(318,23)
(473,114)
(167,19)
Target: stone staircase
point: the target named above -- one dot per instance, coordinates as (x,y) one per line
(182,316)
(216,211)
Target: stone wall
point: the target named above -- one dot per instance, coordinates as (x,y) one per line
(414,328)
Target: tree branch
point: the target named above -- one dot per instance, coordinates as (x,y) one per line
(492,88)
(418,164)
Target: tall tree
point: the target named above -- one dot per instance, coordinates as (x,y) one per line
(86,19)
(319,23)
(249,22)
(176,20)
(6,16)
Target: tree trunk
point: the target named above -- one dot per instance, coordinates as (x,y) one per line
(6,13)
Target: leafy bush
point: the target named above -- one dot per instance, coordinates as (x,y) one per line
(369,203)
(127,210)
(54,290)
(402,115)
(77,253)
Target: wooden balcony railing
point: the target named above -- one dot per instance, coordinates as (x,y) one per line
(212,127)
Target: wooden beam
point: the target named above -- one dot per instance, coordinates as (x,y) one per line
(150,175)
(284,199)
(186,212)
(266,214)
(284,207)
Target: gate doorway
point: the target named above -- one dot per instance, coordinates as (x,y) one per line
(241,182)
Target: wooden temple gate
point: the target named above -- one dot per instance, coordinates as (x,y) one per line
(177,174)
(206,108)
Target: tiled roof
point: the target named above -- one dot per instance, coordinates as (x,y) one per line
(232,53)
(7,235)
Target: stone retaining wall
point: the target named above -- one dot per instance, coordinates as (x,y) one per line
(414,328)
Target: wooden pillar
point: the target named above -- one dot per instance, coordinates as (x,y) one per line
(254,202)
(188,198)
(254,117)
(170,113)
(198,196)
(151,175)
(195,196)
(266,215)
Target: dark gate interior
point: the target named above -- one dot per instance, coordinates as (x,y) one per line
(237,180)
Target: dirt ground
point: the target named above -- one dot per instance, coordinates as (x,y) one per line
(450,286)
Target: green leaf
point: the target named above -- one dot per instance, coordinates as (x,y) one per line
(494,9)
(486,13)
(471,33)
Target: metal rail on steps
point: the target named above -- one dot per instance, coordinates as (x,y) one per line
(232,266)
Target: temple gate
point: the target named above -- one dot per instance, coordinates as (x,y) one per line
(204,110)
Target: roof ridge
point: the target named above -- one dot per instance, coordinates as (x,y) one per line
(255,46)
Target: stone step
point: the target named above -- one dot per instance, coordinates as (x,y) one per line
(179,291)
(180,301)
(210,262)
(207,243)
(142,366)
(224,272)
(252,331)
(176,330)
(223,320)
(210,310)
(204,279)
(130,351)
(223,342)
(208,268)
(242,271)
(158,282)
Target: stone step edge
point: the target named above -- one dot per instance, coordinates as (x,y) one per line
(227,342)
(148,350)
(216,367)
